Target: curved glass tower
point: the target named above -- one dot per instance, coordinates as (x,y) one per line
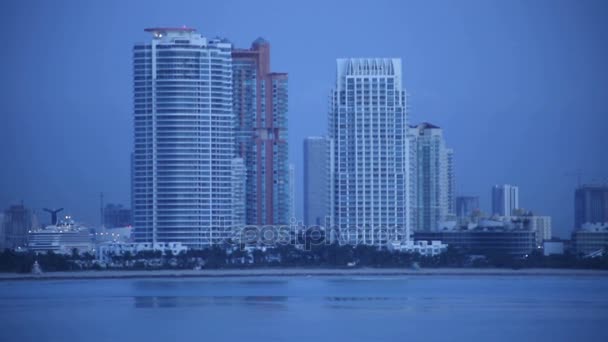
(184,138)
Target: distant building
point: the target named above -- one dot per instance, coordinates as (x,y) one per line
(260,104)
(316,180)
(369,170)
(426,248)
(505,199)
(484,240)
(541,225)
(184,139)
(466,206)
(590,239)
(590,205)
(18,220)
(115,215)
(432,177)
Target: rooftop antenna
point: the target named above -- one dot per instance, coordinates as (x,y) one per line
(53,215)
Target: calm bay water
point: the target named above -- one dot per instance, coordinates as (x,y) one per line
(430,308)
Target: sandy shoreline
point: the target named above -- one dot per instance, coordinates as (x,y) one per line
(288,272)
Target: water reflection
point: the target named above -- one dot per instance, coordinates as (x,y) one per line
(270,302)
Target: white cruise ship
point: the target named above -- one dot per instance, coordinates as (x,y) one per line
(62,237)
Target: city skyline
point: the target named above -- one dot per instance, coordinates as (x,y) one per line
(101,124)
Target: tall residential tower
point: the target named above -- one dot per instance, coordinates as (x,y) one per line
(260,105)
(184,138)
(505,199)
(432,178)
(369,171)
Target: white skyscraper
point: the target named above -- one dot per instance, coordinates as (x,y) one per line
(369,168)
(432,178)
(184,139)
(505,199)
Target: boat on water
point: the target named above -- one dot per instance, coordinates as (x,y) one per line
(62,237)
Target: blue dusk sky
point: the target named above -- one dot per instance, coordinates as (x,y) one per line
(520,87)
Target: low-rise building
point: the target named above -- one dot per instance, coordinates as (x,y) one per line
(425,248)
(106,251)
(484,240)
(591,239)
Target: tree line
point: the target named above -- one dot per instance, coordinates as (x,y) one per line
(321,256)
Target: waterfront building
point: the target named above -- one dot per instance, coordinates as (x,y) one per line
(425,248)
(484,240)
(590,205)
(316,180)
(432,178)
(505,199)
(369,168)
(260,106)
(591,239)
(105,251)
(183,138)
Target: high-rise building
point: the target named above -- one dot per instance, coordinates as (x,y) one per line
(505,199)
(541,225)
(184,138)
(590,205)
(260,104)
(18,220)
(115,215)
(432,177)
(292,191)
(316,182)
(466,206)
(369,168)
(239,186)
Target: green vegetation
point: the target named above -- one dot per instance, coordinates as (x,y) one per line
(322,256)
